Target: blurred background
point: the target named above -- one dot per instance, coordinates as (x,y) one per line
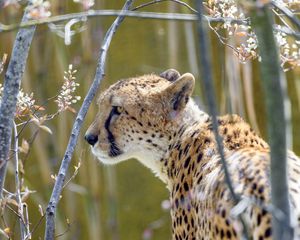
(124,201)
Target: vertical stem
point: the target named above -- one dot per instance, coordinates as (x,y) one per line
(12,83)
(270,75)
(206,74)
(26,221)
(17,182)
(110,177)
(172,38)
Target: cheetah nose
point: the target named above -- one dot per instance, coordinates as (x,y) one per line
(91,139)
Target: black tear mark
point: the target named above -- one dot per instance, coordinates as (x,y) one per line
(114,149)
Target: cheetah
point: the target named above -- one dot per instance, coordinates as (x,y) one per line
(153,119)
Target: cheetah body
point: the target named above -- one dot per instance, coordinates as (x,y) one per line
(153,119)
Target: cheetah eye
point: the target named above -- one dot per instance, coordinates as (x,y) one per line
(118,109)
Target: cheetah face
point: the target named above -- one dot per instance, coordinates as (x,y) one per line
(136,114)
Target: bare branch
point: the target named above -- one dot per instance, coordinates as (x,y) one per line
(65,231)
(159,1)
(26,221)
(223,40)
(51,209)
(287,31)
(205,66)
(12,82)
(287,13)
(17,182)
(74,174)
(82,16)
(108,13)
(35,227)
(270,75)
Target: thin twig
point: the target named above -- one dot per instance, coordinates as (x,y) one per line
(65,231)
(281,17)
(143,15)
(205,66)
(158,1)
(287,13)
(223,40)
(30,143)
(13,211)
(287,31)
(28,234)
(17,182)
(51,208)
(12,83)
(74,174)
(37,225)
(4,234)
(35,111)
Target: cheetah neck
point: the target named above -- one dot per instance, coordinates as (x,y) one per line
(155,158)
(191,115)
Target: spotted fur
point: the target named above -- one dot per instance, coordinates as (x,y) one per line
(152,118)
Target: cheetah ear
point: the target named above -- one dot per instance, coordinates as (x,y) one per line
(170,74)
(178,93)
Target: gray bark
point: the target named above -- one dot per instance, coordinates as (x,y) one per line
(11,86)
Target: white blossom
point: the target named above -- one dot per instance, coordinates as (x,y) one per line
(25,102)
(87,4)
(65,97)
(245,42)
(38,9)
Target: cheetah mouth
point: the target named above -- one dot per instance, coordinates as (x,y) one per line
(109,157)
(114,150)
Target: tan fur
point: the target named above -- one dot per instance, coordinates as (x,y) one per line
(160,125)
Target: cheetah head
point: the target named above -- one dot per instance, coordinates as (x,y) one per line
(137,116)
